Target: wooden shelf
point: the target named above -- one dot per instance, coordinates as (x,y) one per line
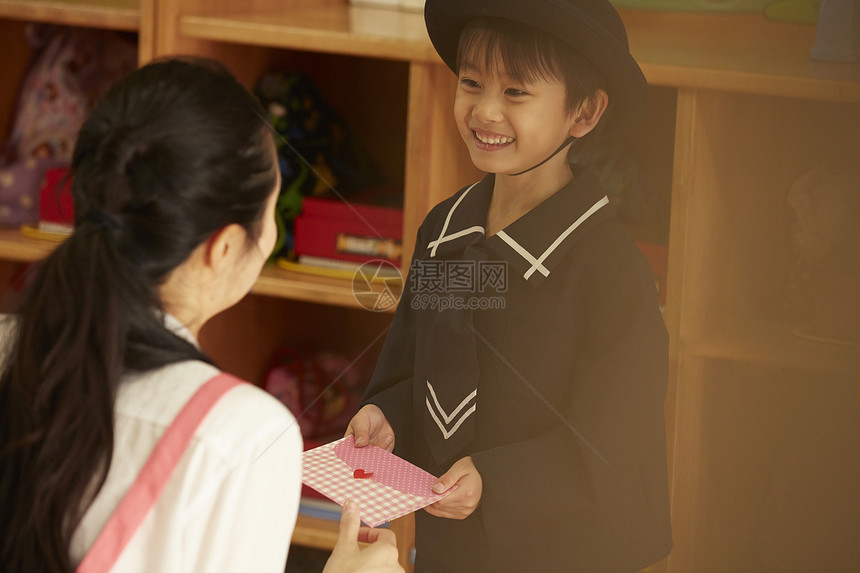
(107,14)
(736,52)
(774,344)
(315,532)
(732,52)
(273,281)
(15,246)
(307,287)
(339,29)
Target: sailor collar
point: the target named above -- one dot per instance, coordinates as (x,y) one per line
(533,244)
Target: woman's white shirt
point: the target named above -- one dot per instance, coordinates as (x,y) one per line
(232,501)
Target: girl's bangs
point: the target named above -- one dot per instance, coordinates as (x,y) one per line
(500,48)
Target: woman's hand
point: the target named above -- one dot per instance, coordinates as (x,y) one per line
(347,557)
(369,426)
(465,499)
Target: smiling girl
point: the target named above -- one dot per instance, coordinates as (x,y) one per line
(547,414)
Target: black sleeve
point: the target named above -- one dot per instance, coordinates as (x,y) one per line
(595,482)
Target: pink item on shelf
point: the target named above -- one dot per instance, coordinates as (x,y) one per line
(383,485)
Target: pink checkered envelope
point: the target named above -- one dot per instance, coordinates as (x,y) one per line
(383,485)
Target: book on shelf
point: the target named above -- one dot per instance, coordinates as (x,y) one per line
(319,508)
(336,268)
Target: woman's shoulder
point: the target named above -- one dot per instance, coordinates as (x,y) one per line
(246,419)
(250,419)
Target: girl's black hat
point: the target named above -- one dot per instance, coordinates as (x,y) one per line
(592,28)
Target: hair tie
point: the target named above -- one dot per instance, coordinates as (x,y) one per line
(102,220)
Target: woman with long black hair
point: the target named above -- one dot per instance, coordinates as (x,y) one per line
(175,184)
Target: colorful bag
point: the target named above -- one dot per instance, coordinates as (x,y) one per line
(19,190)
(317,152)
(72,70)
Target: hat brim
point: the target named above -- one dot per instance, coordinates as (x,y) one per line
(627,87)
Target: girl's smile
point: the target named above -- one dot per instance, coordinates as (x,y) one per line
(489,141)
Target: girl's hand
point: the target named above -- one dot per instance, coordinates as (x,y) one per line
(369,426)
(347,557)
(465,499)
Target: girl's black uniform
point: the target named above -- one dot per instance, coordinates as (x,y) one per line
(549,369)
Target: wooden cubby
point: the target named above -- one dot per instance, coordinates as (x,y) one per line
(760,435)
(753,116)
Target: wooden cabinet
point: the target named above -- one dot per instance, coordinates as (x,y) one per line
(762,450)
(761,411)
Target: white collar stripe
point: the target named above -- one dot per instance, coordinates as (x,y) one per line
(434,244)
(536,264)
(591,211)
(457,235)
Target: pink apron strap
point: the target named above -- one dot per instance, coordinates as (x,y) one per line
(147,488)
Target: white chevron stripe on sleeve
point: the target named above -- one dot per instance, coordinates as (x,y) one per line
(449,417)
(445,433)
(455,412)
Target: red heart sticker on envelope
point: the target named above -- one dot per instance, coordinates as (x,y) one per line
(386,468)
(383,485)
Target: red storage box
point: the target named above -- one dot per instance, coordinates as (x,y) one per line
(56,207)
(335,229)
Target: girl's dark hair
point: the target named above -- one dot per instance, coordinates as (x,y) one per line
(172,153)
(526,54)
